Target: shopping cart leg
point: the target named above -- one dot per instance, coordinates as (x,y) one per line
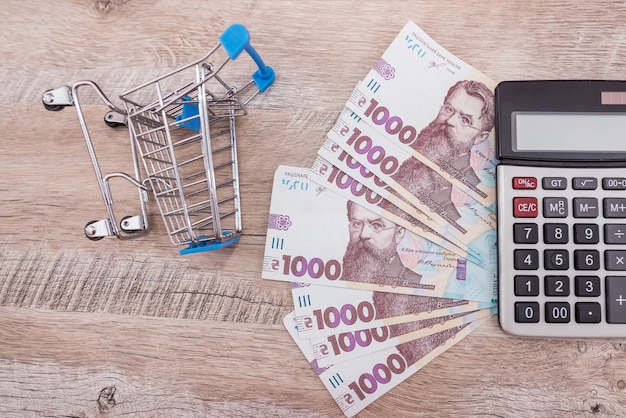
(132,226)
(57,99)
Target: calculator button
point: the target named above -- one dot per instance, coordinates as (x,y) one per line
(524,183)
(525,233)
(614,233)
(556,259)
(525,207)
(588,312)
(584,183)
(614,183)
(585,207)
(586,234)
(615,260)
(587,286)
(614,207)
(526,312)
(586,259)
(554,207)
(526,285)
(555,233)
(557,285)
(557,312)
(554,183)
(526,259)
(615,299)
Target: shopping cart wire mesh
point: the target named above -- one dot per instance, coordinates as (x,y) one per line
(183,142)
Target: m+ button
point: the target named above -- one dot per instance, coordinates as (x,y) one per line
(614,207)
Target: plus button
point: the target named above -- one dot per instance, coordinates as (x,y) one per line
(615,287)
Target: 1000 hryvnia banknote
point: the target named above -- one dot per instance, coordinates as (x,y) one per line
(316,236)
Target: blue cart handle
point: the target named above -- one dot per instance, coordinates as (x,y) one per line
(236,39)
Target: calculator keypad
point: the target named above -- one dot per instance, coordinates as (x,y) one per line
(562,251)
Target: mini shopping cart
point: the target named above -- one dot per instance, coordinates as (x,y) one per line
(182,127)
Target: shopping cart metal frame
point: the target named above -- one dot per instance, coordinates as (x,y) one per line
(184,133)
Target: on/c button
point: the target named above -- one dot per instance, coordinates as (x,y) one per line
(529,183)
(525,207)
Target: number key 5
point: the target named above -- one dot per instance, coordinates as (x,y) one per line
(556,259)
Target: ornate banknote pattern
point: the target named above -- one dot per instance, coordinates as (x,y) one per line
(336,348)
(454,213)
(321,311)
(356,383)
(388,238)
(316,236)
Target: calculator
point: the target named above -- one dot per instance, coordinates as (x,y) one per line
(561,204)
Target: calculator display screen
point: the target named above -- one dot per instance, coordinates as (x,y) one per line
(554,131)
(561,123)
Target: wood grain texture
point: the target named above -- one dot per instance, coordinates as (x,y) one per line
(130,328)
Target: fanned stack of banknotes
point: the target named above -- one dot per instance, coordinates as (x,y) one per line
(389,239)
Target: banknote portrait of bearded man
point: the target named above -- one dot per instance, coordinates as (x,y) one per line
(465,119)
(371,255)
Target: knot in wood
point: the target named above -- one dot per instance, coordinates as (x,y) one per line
(106,399)
(103,6)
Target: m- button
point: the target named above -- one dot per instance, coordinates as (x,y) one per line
(525,207)
(586,207)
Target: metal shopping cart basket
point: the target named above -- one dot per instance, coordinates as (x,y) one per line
(182,127)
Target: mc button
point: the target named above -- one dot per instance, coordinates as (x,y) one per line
(554,207)
(525,207)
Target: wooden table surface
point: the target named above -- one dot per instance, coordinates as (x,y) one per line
(115,328)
